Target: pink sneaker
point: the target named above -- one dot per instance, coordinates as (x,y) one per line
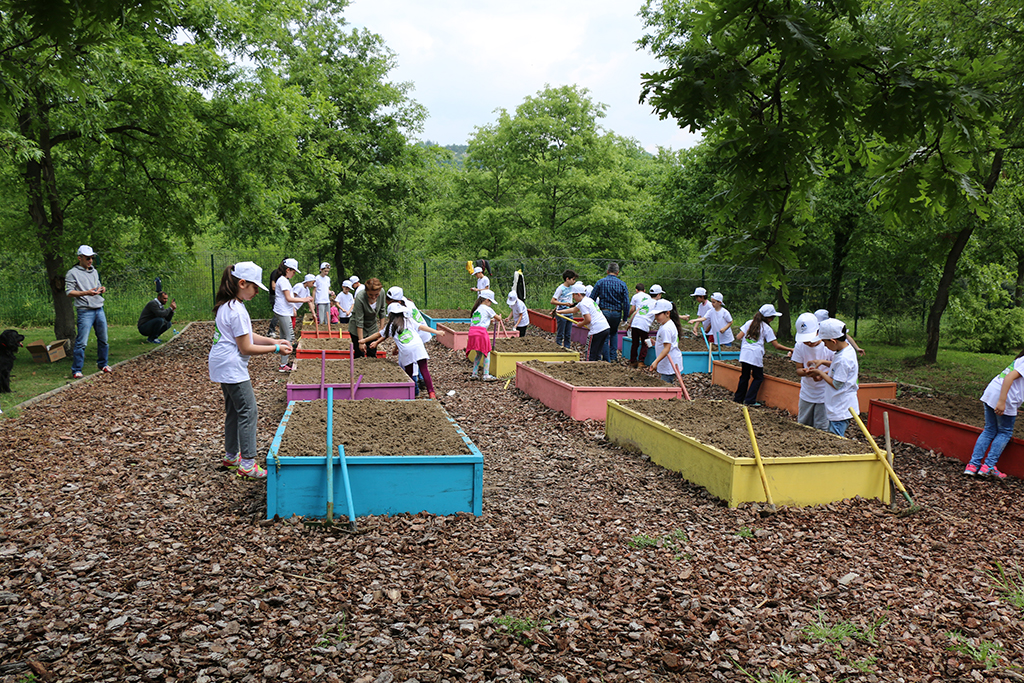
(256,472)
(986,471)
(106,369)
(971,470)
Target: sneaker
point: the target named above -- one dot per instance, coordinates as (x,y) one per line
(490,378)
(106,369)
(432,395)
(987,471)
(256,472)
(284,367)
(231,462)
(77,375)
(971,470)
(157,341)
(472,377)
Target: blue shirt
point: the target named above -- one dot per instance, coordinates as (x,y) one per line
(613,294)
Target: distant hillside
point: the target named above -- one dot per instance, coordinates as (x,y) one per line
(459,151)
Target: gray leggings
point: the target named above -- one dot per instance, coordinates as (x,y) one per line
(240,415)
(285,323)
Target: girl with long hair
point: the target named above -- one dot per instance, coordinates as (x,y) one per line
(753,335)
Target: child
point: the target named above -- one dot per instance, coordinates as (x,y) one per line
(640,295)
(519,316)
(593,319)
(335,312)
(639,324)
(700,295)
(562,299)
(397,295)
(1002,399)
(283,310)
(345,302)
(810,348)
(323,293)
(478,340)
(754,333)
(841,389)
(403,329)
(482,281)
(301,290)
(233,344)
(719,320)
(667,341)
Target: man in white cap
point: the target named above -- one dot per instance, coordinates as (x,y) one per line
(700,295)
(841,389)
(806,352)
(322,293)
(82,283)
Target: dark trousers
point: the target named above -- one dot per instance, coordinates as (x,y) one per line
(611,351)
(639,349)
(357,351)
(743,393)
(154,328)
(522,331)
(597,342)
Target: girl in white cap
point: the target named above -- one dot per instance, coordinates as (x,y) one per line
(323,293)
(411,351)
(283,310)
(482,281)
(667,341)
(639,324)
(753,335)
(345,302)
(1002,399)
(720,321)
(806,352)
(233,344)
(479,320)
(593,319)
(519,316)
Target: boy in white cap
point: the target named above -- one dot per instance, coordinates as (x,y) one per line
(520,316)
(754,333)
(356,284)
(82,283)
(841,380)
(302,291)
(593,319)
(322,293)
(700,295)
(720,321)
(639,323)
(807,350)
(482,281)
(345,302)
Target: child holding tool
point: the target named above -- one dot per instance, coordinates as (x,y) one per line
(520,317)
(841,380)
(593,319)
(809,348)
(233,344)
(404,330)
(667,341)
(639,325)
(720,321)
(1002,399)
(562,299)
(284,307)
(478,340)
(754,333)
(482,281)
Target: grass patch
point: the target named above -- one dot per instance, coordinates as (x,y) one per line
(518,627)
(955,372)
(29,379)
(1012,587)
(984,652)
(840,631)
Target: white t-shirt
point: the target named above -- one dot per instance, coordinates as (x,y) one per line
(717,320)
(668,334)
(845,368)
(483,283)
(752,351)
(410,346)
(345,303)
(563,295)
(281,305)
(227,364)
(637,298)
(417,319)
(644,317)
(519,309)
(1016,394)
(301,291)
(598,323)
(482,316)
(323,289)
(811,391)
(703,311)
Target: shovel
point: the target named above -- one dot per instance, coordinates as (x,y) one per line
(680,378)
(330,455)
(914,507)
(757,460)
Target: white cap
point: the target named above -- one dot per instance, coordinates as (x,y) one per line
(309,278)
(589,289)
(662,306)
(86,250)
(717,296)
(578,288)
(250,272)
(346,283)
(768,311)
(655,289)
(700,291)
(325,264)
(807,328)
(512,298)
(822,315)
(831,329)
(396,294)
(354,279)
(487,294)
(478,269)
(397,307)
(291,263)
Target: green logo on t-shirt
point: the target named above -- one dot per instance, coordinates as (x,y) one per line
(216,336)
(417,316)
(476,317)
(644,309)
(405,336)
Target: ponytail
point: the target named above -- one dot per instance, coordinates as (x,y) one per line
(395,324)
(754,331)
(673,316)
(228,289)
(479,300)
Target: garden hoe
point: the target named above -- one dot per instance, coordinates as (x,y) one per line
(914,507)
(680,378)
(757,460)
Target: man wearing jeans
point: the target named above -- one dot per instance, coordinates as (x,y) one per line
(612,295)
(82,283)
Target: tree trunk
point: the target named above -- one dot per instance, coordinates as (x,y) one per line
(840,249)
(1018,289)
(782,305)
(339,256)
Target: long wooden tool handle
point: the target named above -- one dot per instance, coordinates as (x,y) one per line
(680,378)
(330,454)
(757,457)
(880,455)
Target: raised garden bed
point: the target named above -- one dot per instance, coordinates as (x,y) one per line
(456,335)
(334,333)
(544,320)
(403,456)
(374,378)
(785,394)
(695,354)
(945,424)
(579,335)
(335,348)
(507,352)
(707,443)
(434,316)
(581,390)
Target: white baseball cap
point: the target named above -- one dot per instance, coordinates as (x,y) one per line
(662,306)
(578,288)
(354,279)
(717,296)
(487,294)
(656,289)
(325,264)
(822,315)
(478,269)
(512,298)
(86,250)
(396,294)
(309,278)
(397,307)
(346,283)
(768,311)
(589,289)
(807,328)
(700,291)
(831,329)
(250,272)
(291,263)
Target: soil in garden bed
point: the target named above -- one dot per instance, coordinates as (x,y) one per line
(373,370)
(329,344)
(527,345)
(964,409)
(580,374)
(720,424)
(783,368)
(372,427)
(458,327)
(447,312)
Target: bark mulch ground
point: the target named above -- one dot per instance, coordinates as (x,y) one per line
(129,554)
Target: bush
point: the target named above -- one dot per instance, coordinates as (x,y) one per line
(987,331)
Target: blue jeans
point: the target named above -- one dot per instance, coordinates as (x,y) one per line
(997,432)
(611,347)
(563,332)
(89,318)
(838,428)
(671,379)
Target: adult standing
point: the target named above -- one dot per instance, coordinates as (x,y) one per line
(367,311)
(82,283)
(283,309)
(323,293)
(156,317)
(612,296)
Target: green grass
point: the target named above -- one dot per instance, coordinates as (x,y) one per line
(985,652)
(1012,587)
(517,626)
(29,379)
(956,372)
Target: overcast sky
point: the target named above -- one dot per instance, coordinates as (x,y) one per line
(467,58)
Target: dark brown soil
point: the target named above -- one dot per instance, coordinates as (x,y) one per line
(720,424)
(597,374)
(458,327)
(689,343)
(527,345)
(330,344)
(964,409)
(372,427)
(779,366)
(373,370)
(447,312)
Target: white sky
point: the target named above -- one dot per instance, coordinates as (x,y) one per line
(467,58)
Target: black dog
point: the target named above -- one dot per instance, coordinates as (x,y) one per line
(10,342)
